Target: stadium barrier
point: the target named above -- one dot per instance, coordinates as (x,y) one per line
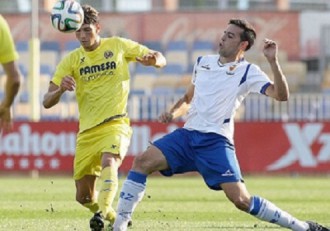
(262,147)
(142,107)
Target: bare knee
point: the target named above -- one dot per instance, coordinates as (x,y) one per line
(142,164)
(150,161)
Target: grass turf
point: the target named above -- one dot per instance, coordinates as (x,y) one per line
(177,203)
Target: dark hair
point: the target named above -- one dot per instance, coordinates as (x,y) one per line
(91,15)
(248,34)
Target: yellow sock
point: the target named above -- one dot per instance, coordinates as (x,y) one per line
(109,187)
(92,206)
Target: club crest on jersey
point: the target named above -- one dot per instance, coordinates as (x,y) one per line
(231,70)
(108,54)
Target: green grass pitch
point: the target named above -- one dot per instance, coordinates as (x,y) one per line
(177,203)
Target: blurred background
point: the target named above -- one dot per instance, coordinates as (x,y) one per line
(182,30)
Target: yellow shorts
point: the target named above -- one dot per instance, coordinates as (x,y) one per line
(113,136)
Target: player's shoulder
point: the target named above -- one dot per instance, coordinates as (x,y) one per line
(74,52)
(73,55)
(120,43)
(116,39)
(110,39)
(2,20)
(253,67)
(4,27)
(207,58)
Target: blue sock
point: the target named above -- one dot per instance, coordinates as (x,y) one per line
(137,177)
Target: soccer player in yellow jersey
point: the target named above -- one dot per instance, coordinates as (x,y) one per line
(8,57)
(98,72)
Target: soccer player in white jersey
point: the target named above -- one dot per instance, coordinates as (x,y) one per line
(205,143)
(98,71)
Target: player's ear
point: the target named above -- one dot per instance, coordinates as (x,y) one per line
(98,27)
(244,45)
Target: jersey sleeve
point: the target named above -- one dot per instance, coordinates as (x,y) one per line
(133,49)
(8,51)
(63,69)
(257,80)
(194,73)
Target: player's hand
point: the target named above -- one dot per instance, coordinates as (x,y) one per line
(148,59)
(165,117)
(5,118)
(67,84)
(270,49)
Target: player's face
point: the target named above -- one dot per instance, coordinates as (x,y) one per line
(230,44)
(88,36)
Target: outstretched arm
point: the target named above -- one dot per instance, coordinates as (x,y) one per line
(180,108)
(279,90)
(153,58)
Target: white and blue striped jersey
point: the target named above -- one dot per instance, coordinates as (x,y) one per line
(219,91)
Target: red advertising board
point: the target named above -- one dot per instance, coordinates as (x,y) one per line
(284,147)
(43,146)
(272,147)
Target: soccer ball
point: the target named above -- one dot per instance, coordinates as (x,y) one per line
(67,16)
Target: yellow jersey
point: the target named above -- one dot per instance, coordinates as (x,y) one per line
(102,78)
(8,51)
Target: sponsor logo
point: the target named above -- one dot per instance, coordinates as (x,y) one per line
(97,68)
(207,67)
(227,173)
(28,149)
(89,73)
(301,140)
(25,142)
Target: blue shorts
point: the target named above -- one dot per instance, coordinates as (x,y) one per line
(210,154)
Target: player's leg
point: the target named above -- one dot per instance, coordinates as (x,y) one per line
(133,188)
(108,185)
(235,190)
(87,167)
(85,192)
(265,210)
(261,208)
(216,161)
(169,155)
(114,140)
(85,195)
